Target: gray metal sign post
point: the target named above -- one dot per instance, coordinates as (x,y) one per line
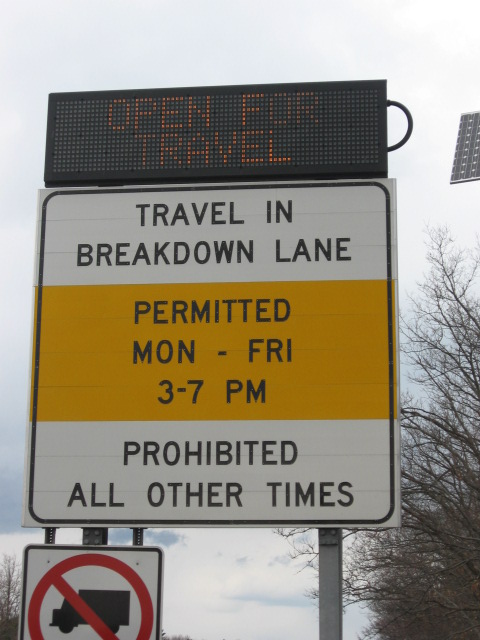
(330,583)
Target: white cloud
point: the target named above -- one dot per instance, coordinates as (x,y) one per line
(260,599)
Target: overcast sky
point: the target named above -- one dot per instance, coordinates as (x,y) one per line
(239,585)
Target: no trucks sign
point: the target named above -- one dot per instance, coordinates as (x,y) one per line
(92,592)
(215,355)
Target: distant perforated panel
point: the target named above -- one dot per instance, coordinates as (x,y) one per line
(466,164)
(253,131)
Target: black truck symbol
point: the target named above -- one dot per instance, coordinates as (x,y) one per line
(113,607)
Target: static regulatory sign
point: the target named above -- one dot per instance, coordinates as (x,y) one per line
(332,129)
(91,592)
(218,354)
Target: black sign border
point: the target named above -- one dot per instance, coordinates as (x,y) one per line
(392,387)
(137,176)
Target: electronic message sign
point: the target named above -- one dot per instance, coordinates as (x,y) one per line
(217,354)
(323,129)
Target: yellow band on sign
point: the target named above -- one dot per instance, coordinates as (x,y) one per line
(235,351)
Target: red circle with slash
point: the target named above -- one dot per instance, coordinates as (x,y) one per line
(54,578)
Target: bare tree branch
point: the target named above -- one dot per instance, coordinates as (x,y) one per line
(423,580)
(10,591)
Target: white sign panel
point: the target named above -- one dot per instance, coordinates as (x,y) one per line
(218,354)
(91,592)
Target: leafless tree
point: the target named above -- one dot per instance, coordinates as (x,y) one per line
(10,590)
(423,580)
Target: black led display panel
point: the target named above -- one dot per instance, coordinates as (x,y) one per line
(334,129)
(466,163)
